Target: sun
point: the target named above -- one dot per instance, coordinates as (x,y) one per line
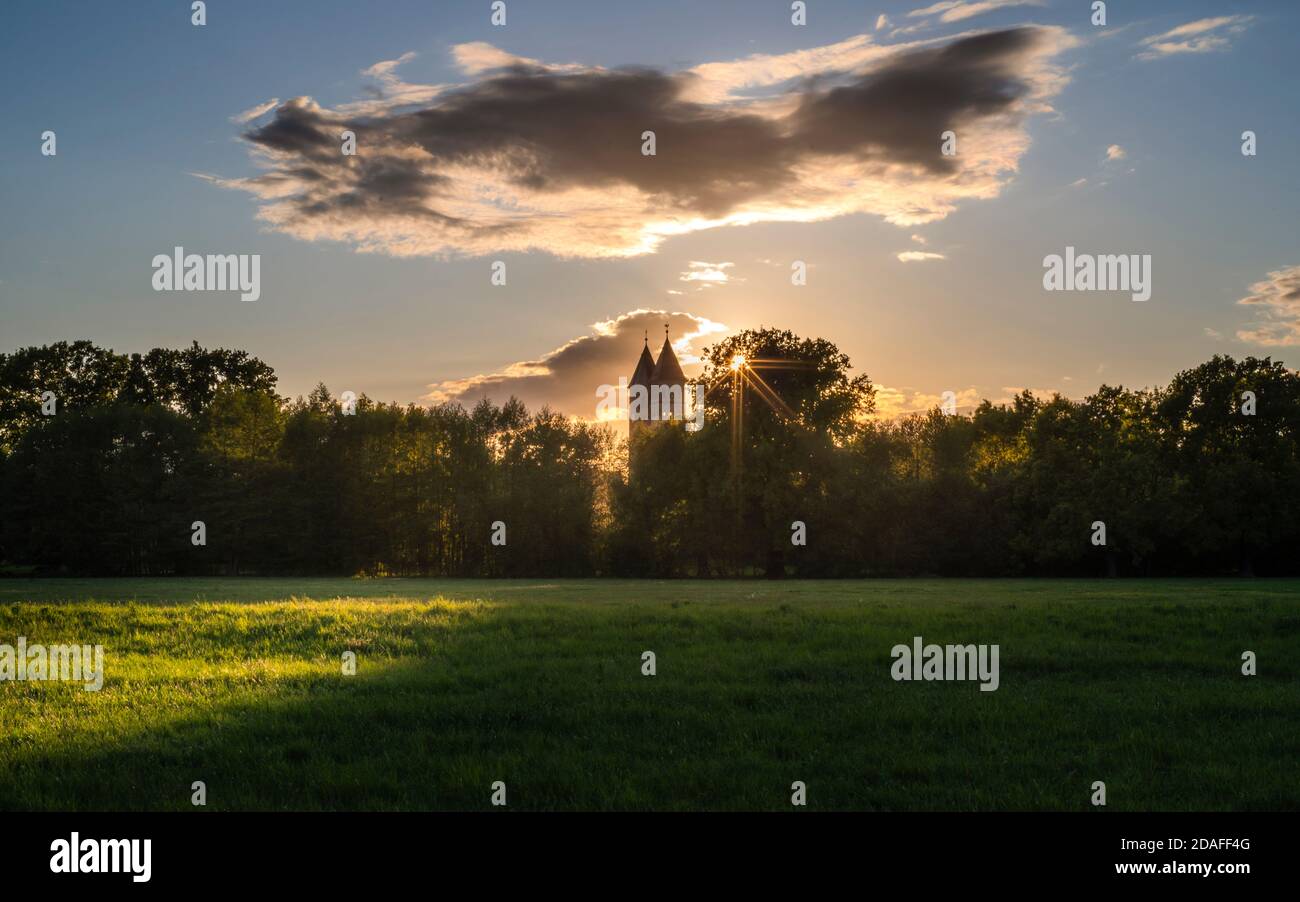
(738,361)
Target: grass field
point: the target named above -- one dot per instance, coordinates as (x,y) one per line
(238,683)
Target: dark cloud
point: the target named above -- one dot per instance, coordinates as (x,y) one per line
(897,113)
(525,145)
(556,131)
(299,129)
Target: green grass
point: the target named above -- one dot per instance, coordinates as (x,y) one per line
(538,683)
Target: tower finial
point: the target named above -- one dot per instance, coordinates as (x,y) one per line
(647,338)
(665,331)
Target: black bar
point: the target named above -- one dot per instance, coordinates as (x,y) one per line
(629,853)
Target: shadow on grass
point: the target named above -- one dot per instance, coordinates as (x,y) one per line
(553,702)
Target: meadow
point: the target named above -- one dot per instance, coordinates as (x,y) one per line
(460,683)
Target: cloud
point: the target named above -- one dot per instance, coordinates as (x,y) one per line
(919,239)
(534,158)
(252,113)
(882,20)
(1114,154)
(1201,36)
(568,377)
(707,275)
(1279,298)
(732,81)
(389,91)
(478,57)
(919,256)
(1011,391)
(892,403)
(957,10)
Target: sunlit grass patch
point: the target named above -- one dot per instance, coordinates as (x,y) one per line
(459,684)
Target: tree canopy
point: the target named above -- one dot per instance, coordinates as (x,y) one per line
(1199,476)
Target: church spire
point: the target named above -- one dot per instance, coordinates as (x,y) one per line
(667,371)
(644,366)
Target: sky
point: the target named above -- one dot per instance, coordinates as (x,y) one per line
(523,144)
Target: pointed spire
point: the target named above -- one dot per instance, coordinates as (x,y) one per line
(667,371)
(644,366)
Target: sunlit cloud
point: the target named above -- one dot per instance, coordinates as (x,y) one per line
(1201,36)
(478,57)
(919,256)
(892,403)
(389,91)
(567,378)
(1278,300)
(252,113)
(957,10)
(733,81)
(1009,393)
(527,156)
(1107,170)
(707,275)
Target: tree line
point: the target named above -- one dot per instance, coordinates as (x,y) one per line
(110,462)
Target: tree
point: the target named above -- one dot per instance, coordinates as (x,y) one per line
(1242,470)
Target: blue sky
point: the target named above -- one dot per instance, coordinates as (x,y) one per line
(142,103)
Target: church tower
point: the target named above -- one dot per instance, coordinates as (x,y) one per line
(638,419)
(668,385)
(662,392)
